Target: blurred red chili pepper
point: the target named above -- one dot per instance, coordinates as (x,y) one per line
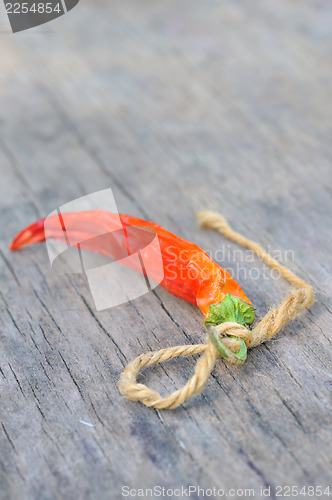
(189,272)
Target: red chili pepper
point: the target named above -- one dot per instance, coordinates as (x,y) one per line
(189,272)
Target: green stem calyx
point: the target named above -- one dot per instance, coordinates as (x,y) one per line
(230,309)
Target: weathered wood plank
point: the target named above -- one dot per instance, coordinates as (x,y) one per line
(175,107)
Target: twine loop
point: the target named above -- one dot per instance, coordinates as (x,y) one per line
(230,328)
(299,299)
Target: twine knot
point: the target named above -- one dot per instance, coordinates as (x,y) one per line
(223,338)
(230,328)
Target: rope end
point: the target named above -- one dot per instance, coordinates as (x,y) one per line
(212,220)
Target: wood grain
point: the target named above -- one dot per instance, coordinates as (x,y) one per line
(176,106)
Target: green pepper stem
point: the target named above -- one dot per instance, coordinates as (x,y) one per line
(230,309)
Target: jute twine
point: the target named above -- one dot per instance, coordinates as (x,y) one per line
(298,300)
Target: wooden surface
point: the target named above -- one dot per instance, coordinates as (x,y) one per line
(176,106)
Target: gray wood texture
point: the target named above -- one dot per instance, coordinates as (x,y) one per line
(176,106)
